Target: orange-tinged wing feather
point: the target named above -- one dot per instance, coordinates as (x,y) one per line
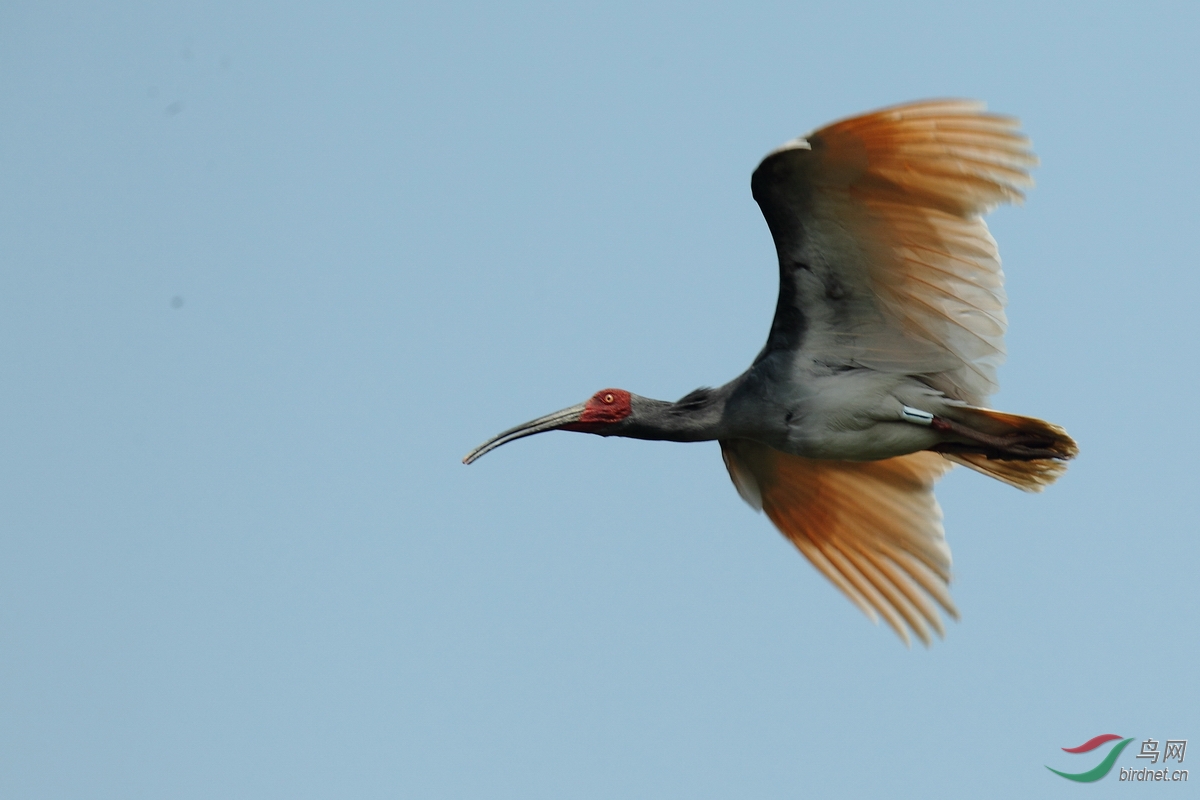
(891,203)
(873,528)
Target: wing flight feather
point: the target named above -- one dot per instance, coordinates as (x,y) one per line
(872,528)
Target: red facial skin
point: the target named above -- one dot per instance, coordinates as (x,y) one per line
(606,407)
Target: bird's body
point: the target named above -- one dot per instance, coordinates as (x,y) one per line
(802,409)
(851,414)
(884,346)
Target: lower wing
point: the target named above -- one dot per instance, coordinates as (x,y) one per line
(873,528)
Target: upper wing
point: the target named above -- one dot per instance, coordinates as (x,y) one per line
(872,527)
(885,261)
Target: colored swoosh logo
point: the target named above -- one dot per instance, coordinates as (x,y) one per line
(1092,744)
(1101,769)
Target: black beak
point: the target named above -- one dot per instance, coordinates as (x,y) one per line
(540,425)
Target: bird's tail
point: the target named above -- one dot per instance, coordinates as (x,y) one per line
(1024,452)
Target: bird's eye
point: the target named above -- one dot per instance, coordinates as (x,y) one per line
(608,398)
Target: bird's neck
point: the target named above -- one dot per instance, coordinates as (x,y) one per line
(696,417)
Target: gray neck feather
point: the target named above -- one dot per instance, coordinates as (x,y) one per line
(696,417)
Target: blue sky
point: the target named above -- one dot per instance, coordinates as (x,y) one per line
(268,272)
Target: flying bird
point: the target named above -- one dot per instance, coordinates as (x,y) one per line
(883,351)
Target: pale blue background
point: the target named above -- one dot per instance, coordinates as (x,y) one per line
(239,556)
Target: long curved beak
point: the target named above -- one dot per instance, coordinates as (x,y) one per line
(540,425)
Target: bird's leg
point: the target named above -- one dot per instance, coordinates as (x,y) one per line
(1016,446)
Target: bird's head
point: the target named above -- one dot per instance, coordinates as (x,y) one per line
(602,413)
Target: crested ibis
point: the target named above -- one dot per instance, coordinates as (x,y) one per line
(887,334)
